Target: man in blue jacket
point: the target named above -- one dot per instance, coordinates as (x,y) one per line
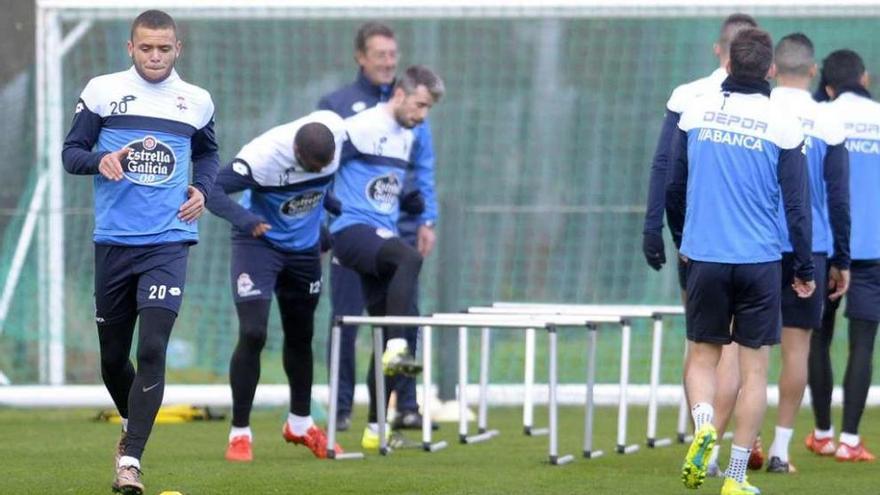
(376,54)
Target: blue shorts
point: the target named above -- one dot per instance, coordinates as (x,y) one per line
(131,278)
(258,270)
(747,294)
(863,298)
(798,312)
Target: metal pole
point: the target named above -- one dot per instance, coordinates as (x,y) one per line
(656,346)
(529,380)
(334,390)
(625,336)
(589,453)
(555,459)
(683,416)
(378,348)
(426,388)
(482,419)
(462,384)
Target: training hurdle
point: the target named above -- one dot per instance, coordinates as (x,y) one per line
(426,323)
(588,322)
(626,313)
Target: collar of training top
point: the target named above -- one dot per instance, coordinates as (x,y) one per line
(380,90)
(853,88)
(745,85)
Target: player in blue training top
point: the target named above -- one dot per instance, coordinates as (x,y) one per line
(137,131)
(845,80)
(733,156)
(375,159)
(376,55)
(828,166)
(652,234)
(285,173)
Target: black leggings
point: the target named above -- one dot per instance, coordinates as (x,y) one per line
(297,323)
(856,380)
(137,396)
(392,293)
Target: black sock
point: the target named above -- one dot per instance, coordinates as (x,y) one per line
(116,368)
(859,369)
(819,373)
(244,367)
(148,387)
(298,322)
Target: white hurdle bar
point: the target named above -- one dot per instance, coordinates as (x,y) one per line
(590,322)
(426,323)
(626,313)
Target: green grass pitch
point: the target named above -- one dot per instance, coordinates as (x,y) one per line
(64,451)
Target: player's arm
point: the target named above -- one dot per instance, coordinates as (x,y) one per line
(836,173)
(77,155)
(423,163)
(652,234)
(676,185)
(836,170)
(792,176)
(206,162)
(232,179)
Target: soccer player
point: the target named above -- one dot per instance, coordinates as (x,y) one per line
(376,55)
(146,125)
(652,241)
(286,173)
(845,81)
(379,151)
(828,166)
(732,157)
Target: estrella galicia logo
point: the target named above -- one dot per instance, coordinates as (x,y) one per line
(383,192)
(299,206)
(149,161)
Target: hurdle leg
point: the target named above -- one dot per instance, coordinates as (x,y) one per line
(427,444)
(625,336)
(528,386)
(335,334)
(555,458)
(683,409)
(483,433)
(656,345)
(462,384)
(378,348)
(589,453)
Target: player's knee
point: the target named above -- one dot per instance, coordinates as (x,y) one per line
(113,363)
(253,338)
(411,260)
(151,357)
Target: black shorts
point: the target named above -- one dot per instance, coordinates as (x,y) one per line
(131,278)
(682,273)
(863,298)
(357,247)
(747,294)
(258,270)
(798,312)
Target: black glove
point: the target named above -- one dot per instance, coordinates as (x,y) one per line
(332,204)
(655,251)
(413,203)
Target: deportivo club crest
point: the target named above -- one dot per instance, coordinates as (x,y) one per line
(301,205)
(149,161)
(382,192)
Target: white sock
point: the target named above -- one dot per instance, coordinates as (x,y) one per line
(823,434)
(703,413)
(374,427)
(713,457)
(129,461)
(739,461)
(397,345)
(125,425)
(244,431)
(781,440)
(299,425)
(849,439)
